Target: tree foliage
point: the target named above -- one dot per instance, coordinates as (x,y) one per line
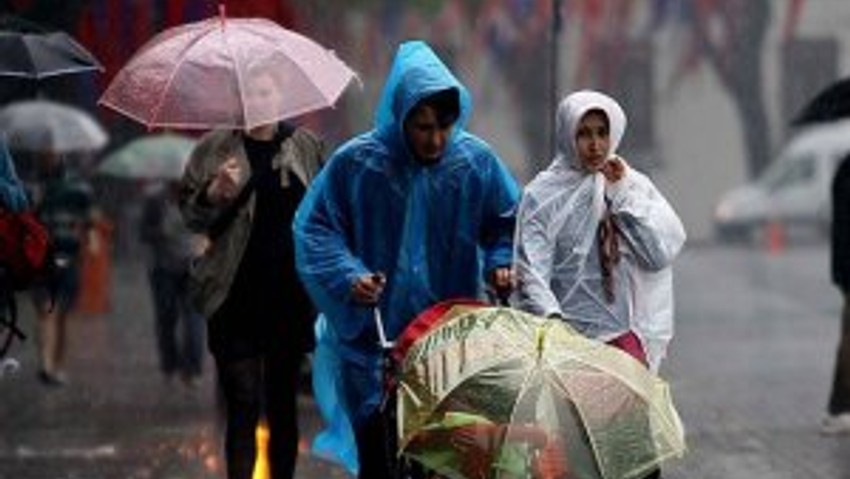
(731,35)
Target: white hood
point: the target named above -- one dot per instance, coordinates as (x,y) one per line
(573,108)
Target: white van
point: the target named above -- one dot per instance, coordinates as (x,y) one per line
(795,189)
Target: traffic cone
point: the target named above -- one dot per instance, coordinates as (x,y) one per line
(774,237)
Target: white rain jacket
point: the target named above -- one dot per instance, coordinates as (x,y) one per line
(556,255)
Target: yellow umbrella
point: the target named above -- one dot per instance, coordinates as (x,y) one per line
(497,393)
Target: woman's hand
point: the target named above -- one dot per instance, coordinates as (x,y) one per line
(613,169)
(226,183)
(502,282)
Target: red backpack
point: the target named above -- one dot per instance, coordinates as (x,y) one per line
(26,250)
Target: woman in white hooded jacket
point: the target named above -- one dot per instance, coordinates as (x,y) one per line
(595,238)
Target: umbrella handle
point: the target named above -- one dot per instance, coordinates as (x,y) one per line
(382,336)
(498,297)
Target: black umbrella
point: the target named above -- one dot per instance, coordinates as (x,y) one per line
(830,104)
(15,23)
(42,55)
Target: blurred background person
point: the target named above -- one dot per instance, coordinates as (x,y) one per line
(13,198)
(64,203)
(179,328)
(838,409)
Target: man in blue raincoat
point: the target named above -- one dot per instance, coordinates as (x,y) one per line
(413,212)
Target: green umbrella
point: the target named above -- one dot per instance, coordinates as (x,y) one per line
(497,393)
(151,157)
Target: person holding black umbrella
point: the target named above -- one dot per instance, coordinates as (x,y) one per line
(827,106)
(64,202)
(838,408)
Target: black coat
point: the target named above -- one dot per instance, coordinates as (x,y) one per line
(841,226)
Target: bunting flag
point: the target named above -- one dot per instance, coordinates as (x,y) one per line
(21,5)
(279,11)
(792,18)
(93,32)
(691,51)
(197,10)
(140,25)
(174,13)
(604,24)
(661,12)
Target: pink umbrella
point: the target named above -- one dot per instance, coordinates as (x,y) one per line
(229,73)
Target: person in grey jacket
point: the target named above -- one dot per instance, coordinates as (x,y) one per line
(241,189)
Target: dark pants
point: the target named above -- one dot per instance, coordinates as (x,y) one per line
(377,444)
(374,423)
(656,474)
(253,386)
(839,399)
(370,424)
(181,353)
(375,447)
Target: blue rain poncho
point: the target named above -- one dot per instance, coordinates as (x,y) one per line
(557,258)
(12,193)
(434,231)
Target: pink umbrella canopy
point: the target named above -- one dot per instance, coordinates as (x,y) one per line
(227,73)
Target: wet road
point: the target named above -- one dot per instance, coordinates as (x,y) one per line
(749,368)
(117,418)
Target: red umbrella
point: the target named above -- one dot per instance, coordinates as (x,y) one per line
(229,73)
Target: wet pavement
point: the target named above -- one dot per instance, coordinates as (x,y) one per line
(751,364)
(117,418)
(749,370)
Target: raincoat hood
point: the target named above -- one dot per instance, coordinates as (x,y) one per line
(416,73)
(570,112)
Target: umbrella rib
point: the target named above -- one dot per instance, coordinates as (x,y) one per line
(491,364)
(239,79)
(64,71)
(567,390)
(29,57)
(180,59)
(522,389)
(653,405)
(296,59)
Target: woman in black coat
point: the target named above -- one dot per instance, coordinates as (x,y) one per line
(838,418)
